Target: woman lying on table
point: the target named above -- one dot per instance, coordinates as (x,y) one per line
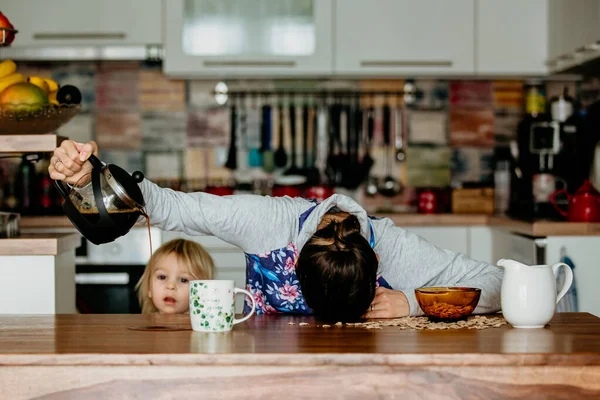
(327,258)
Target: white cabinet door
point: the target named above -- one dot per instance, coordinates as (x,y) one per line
(404,37)
(453,238)
(512,37)
(513,246)
(248,38)
(573,32)
(583,251)
(85,22)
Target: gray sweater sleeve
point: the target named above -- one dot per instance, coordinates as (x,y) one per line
(256,224)
(407,261)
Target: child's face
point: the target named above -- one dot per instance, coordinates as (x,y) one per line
(169,286)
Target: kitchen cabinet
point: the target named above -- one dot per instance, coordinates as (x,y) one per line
(511,37)
(583,251)
(573,33)
(240,38)
(85,22)
(453,238)
(38,271)
(400,37)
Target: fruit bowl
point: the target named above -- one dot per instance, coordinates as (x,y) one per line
(46,120)
(447,304)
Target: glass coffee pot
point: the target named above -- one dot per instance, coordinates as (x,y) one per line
(104,204)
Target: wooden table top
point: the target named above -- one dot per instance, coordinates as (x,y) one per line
(83,339)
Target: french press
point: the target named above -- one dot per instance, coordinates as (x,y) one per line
(105,203)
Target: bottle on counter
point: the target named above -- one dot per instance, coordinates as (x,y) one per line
(26,184)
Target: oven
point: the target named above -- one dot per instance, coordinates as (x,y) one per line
(106,274)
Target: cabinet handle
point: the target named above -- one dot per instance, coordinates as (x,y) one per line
(588,48)
(79,36)
(287,64)
(566,57)
(416,63)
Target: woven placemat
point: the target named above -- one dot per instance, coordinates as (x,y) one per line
(423,323)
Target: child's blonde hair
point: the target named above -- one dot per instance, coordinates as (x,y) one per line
(200,266)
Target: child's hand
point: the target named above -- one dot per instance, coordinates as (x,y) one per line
(388,304)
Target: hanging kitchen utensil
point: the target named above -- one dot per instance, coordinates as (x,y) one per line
(242,136)
(265,139)
(371,188)
(399,123)
(308,138)
(353,172)
(322,141)
(389,187)
(254,133)
(293,170)
(281,158)
(232,154)
(333,167)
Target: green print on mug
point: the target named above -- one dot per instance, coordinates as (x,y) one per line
(212,305)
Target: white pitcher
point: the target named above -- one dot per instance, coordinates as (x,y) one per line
(529,292)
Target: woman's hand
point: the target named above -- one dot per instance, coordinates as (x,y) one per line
(388,304)
(69,161)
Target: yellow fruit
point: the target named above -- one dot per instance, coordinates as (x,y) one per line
(39,82)
(52,85)
(52,98)
(23,97)
(7,67)
(11,80)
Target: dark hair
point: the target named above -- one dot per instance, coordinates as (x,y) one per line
(337,270)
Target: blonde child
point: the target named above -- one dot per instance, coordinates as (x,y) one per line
(164,286)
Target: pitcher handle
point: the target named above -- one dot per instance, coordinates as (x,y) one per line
(247,293)
(568,279)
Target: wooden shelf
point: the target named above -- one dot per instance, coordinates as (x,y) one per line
(39,244)
(29,143)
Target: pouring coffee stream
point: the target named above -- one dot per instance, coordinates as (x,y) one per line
(104,204)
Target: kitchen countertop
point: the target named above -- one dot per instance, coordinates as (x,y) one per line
(84,355)
(536,229)
(39,244)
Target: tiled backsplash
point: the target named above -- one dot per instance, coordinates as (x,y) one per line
(175,129)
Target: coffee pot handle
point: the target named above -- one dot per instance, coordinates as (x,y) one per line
(95,161)
(568,279)
(64,189)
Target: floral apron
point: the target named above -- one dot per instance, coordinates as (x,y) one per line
(271,278)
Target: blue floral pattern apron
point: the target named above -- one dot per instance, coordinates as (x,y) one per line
(271,278)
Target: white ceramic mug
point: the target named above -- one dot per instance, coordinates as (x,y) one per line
(212,305)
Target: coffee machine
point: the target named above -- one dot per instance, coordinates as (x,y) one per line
(544,155)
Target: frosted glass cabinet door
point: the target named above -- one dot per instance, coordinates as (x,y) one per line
(248,38)
(394,37)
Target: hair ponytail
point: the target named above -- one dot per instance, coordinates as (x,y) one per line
(345,232)
(337,270)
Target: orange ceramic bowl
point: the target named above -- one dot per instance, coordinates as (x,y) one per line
(447,303)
